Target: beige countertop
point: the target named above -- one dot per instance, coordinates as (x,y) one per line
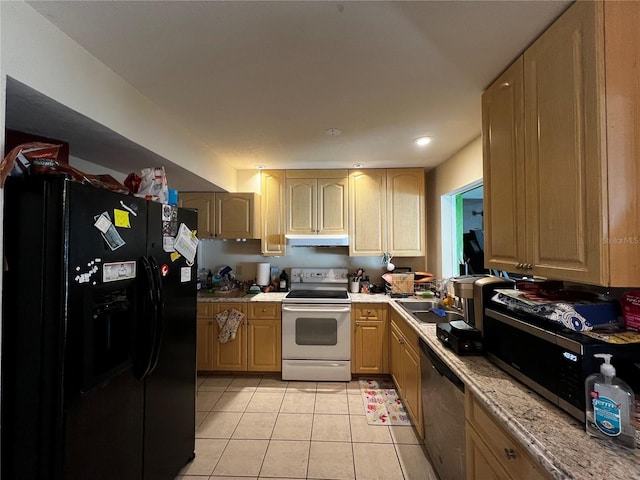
(240,297)
(556,439)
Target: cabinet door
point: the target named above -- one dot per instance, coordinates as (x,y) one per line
(301,206)
(370,338)
(264,345)
(405,212)
(332,205)
(236,215)
(204,203)
(367,212)
(395,348)
(481,463)
(411,392)
(273,207)
(232,355)
(503,178)
(204,344)
(564,146)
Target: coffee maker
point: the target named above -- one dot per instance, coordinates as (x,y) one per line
(462,335)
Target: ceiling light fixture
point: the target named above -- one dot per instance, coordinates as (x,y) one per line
(332,132)
(358,165)
(422,141)
(261,167)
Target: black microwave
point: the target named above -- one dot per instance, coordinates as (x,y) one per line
(554,362)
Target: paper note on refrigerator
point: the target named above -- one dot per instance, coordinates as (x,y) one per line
(186,244)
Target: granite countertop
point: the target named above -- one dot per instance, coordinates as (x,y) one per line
(238,296)
(556,439)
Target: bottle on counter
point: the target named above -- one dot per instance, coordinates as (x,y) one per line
(209,280)
(284,281)
(609,405)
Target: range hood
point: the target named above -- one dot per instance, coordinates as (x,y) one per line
(317,240)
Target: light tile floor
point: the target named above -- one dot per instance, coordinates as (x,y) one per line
(262,427)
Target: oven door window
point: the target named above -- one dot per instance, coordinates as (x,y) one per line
(316,331)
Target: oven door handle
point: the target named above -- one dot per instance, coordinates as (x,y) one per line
(316,308)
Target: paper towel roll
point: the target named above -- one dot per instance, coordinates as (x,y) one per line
(263,274)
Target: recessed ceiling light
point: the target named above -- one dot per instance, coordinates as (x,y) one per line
(358,165)
(422,141)
(261,167)
(332,132)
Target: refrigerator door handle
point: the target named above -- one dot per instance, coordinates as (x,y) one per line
(148,333)
(159,315)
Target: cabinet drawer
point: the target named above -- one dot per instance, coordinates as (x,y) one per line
(510,453)
(205,310)
(267,310)
(369,311)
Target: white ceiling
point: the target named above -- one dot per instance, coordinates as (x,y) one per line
(260,82)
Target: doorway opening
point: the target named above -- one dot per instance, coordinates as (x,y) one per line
(462,214)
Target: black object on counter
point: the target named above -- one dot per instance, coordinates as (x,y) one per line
(284,281)
(461,337)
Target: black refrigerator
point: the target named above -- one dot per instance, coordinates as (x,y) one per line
(98,334)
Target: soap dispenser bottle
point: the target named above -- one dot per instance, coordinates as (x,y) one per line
(609,403)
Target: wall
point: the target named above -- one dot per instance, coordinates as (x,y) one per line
(461,169)
(243,256)
(40,56)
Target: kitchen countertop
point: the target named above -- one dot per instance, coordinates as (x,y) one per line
(556,439)
(236,296)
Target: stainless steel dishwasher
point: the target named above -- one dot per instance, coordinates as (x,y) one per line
(443,412)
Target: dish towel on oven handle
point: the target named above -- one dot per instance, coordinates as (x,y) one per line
(228,323)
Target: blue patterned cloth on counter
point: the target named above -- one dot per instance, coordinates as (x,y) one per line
(559,312)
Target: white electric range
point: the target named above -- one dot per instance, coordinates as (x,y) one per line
(316,326)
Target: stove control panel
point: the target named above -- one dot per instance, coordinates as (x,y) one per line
(319,275)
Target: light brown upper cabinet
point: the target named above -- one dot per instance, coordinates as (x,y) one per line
(561,150)
(225,215)
(272,192)
(405,212)
(397,197)
(204,202)
(316,202)
(237,215)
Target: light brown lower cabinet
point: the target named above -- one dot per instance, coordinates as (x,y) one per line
(405,367)
(257,346)
(264,339)
(204,338)
(232,355)
(370,338)
(492,453)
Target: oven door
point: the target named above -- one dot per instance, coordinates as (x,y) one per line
(316,331)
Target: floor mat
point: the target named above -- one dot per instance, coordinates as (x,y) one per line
(382,405)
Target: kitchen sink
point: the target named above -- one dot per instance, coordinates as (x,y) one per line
(424,305)
(431,317)
(422,311)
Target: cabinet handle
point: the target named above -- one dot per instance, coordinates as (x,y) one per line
(264,310)
(357,324)
(529,266)
(518,265)
(510,453)
(401,341)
